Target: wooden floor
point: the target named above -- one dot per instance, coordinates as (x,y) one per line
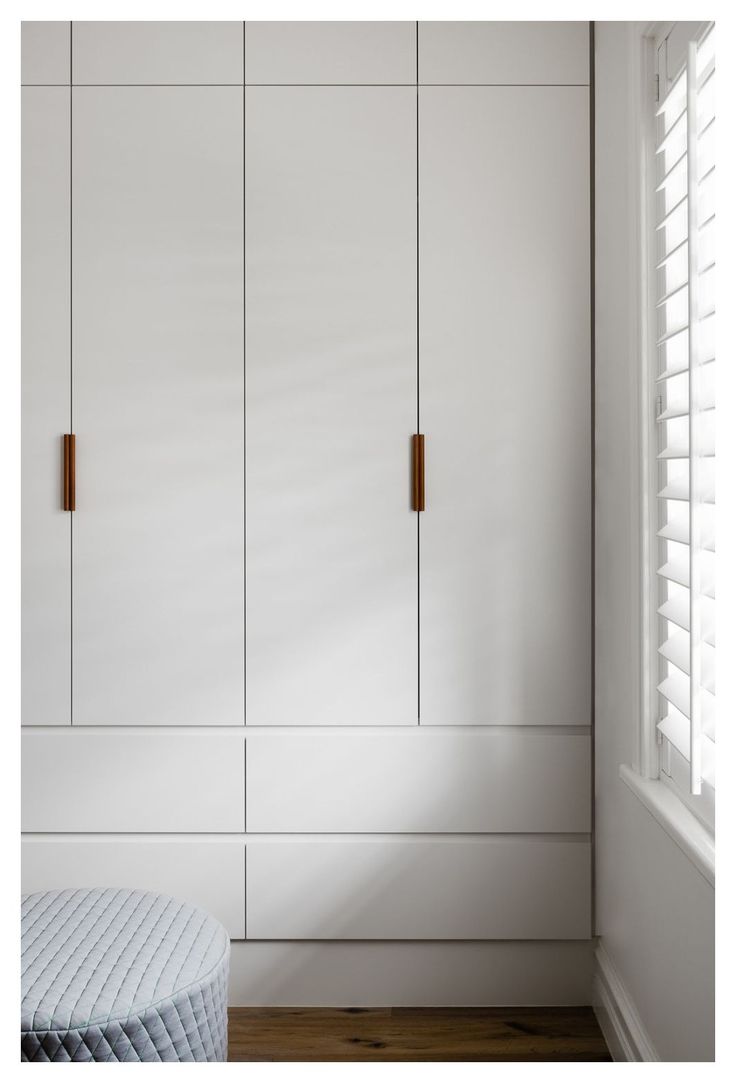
(415,1034)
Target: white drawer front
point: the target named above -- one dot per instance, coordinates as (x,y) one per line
(420,781)
(208,873)
(505,888)
(74,780)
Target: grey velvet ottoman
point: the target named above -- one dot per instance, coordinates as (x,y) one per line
(119,975)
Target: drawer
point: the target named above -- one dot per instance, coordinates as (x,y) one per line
(418,781)
(209,873)
(503,888)
(77,780)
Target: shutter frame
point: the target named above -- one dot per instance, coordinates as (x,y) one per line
(683,311)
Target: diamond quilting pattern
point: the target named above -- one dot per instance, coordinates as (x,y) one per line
(121,975)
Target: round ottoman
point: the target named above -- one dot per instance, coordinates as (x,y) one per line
(120,975)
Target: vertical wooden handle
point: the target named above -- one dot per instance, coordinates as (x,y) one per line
(70,495)
(417,472)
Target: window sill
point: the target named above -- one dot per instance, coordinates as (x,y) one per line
(679,823)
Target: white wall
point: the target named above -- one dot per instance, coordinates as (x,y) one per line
(654,910)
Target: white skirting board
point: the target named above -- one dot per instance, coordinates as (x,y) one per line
(410,973)
(619,1020)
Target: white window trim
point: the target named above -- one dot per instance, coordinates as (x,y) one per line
(668,809)
(647,759)
(693,837)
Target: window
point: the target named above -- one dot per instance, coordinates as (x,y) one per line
(683,394)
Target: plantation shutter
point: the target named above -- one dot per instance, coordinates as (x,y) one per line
(685,398)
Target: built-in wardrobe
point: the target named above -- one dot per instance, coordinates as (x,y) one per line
(307,480)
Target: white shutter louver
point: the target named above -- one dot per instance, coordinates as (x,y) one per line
(685,397)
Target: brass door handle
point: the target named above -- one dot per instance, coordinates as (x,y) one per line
(417,472)
(70,472)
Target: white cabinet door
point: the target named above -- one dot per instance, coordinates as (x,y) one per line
(419,779)
(208,873)
(45,393)
(158,405)
(431,888)
(149,52)
(45,55)
(532,53)
(505,405)
(323,52)
(331,542)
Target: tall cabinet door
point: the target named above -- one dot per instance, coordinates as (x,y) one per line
(157,347)
(45,374)
(331,542)
(505,381)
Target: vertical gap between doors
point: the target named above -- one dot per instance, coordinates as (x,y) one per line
(244,370)
(591,122)
(418,429)
(245,822)
(71,366)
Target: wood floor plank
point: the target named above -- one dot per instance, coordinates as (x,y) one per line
(415,1034)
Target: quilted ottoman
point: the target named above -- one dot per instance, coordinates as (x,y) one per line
(119,975)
